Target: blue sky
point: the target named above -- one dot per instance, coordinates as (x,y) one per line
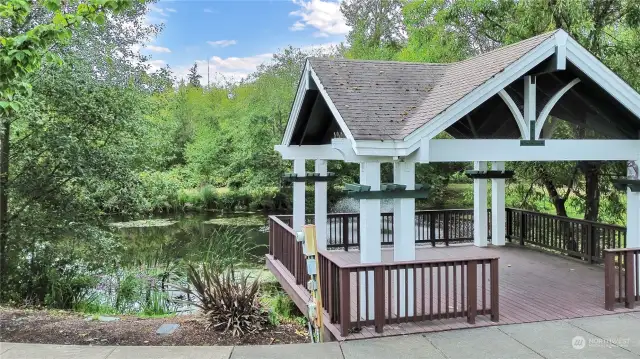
(235,36)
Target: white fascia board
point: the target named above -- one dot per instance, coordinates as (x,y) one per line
(384,148)
(484,92)
(330,104)
(561,50)
(511,150)
(309,152)
(345,147)
(603,76)
(303,85)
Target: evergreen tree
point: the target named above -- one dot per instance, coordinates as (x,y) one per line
(194,77)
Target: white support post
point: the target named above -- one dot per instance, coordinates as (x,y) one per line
(498,214)
(530,106)
(633,209)
(480,230)
(321,205)
(404,228)
(370,234)
(298,196)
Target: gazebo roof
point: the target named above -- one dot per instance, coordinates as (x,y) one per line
(390,100)
(388,107)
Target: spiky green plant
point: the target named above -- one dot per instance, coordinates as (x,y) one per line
(229,301)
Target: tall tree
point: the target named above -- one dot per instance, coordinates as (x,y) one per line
(194,77)
(377,30)
(29,32)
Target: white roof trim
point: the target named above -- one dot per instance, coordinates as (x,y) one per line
(303,86)
(332,107)
(603,76)
(297,104)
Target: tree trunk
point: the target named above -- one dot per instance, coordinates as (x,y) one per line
(4,210)
(557,200)
(591,172)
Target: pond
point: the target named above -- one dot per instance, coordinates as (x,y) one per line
(149,274)
(164,239)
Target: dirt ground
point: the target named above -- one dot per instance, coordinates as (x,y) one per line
(58,327)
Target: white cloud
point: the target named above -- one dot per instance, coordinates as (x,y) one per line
(154,48)
(155,65)
(170,9)
(297,26)
(325,16)
(158,10)
(230,69)
(222,43)
(209,11)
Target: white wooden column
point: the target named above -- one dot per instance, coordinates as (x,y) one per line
(298,196)
(498,214)
(480,229)
(370,234)
(530,106)
(404,227)
(633,209)
(321,205)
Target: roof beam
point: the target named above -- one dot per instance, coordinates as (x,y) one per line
(515,111)
(309,152)
(550,104)
(511,150)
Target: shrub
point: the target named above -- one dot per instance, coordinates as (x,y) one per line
(229,303)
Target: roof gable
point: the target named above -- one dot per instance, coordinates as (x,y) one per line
(391,106)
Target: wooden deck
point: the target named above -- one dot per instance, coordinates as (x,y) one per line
(533,286)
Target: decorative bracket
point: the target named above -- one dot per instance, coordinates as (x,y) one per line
(387,190)
(489,174)
(308,177)
(622,184)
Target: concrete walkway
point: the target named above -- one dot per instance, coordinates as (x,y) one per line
(611,336)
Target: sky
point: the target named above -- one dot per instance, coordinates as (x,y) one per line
(235,36)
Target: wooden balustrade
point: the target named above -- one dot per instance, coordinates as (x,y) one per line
(574,237)
(621,277)
(284,247)
(581,239)
(357,295)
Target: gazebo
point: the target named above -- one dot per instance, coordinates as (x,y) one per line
(500,106)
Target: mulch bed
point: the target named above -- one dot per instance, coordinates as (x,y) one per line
(58,327)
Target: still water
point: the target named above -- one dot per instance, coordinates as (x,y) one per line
(172,238)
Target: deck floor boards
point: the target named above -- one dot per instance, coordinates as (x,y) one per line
(534,286)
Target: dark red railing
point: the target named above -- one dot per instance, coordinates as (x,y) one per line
(284,247)
(621,277)
(435,289)
(433,226)
(581,239)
